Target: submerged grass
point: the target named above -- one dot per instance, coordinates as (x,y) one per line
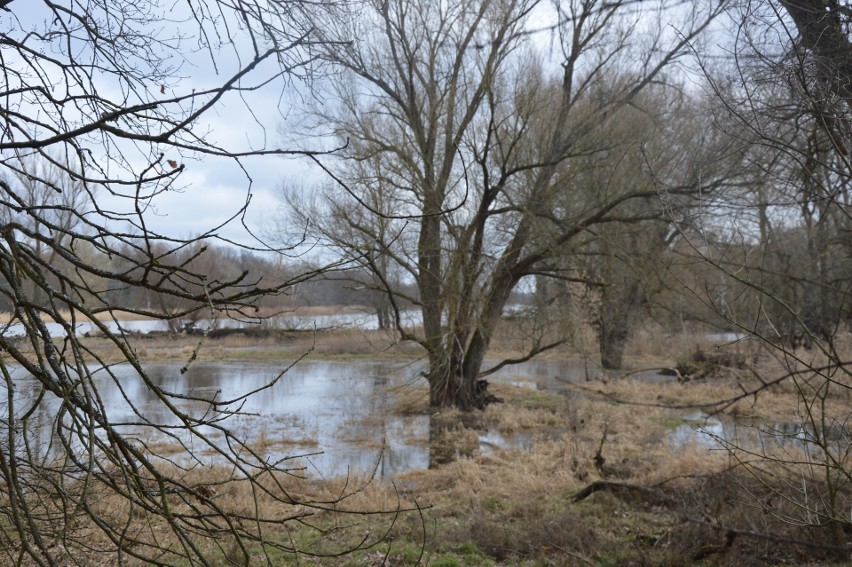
(653,505)
(647,502)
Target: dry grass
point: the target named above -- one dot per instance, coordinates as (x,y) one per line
(329,513)
(348,342)
(272,345)
(314,310)
(515,506)
(119,315)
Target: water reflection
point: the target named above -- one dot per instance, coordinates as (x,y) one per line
(756,435)
(335,411)
(338,413)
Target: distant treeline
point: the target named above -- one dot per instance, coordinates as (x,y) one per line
(312,286)
(679,295)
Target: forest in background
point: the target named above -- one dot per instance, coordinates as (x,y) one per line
(612,165)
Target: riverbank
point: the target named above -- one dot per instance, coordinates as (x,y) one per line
(614,489)
(603,478)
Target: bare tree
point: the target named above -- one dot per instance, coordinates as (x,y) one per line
(472,138)
(102,105)
(782,248)
(789,116)
(356,236)
(60,199)
(660,147)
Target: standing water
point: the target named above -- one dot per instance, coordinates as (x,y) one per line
(336,415)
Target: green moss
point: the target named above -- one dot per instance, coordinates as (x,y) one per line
(472,555)
(671,421)
(408,553)
(605,560)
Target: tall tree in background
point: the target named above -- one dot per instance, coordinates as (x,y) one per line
(62,201)
(102,104)
(663,146)
(472,138)
(781,248)
(789,112)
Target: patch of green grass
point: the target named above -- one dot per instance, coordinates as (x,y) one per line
(446,561)
(493,503)
(537,399)
(409,553)
(607,561)
(472,554)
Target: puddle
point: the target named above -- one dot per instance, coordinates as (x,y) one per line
(720,432)
(335,413)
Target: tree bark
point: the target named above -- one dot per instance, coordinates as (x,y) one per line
(821,30)
(614,322)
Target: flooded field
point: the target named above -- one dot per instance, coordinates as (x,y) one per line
(340,415)
(336,413)
(292,321)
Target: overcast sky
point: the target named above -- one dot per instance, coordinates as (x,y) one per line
(214,189)
(210,189)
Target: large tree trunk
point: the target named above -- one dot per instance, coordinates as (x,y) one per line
(450,387)
(384,320)
(614,321)
(453,387)
(821,29)
(612,335)
(454,371)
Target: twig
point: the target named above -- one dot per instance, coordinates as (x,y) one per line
(769,537)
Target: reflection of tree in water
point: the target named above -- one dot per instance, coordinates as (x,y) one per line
(755,435)
(453,435)
(34,410)
(45,431)
(46,436)
(198,389)
(405,446)
(343,409)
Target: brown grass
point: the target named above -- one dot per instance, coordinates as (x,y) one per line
(515,506)
(273,345)
(6,316)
